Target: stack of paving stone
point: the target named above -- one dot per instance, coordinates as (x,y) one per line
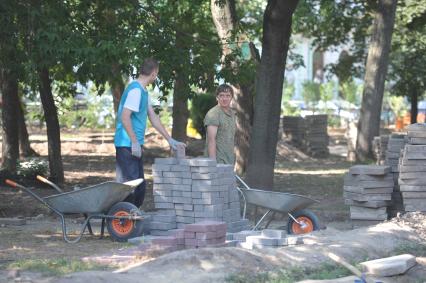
(395,146)
(368,190)
(268,238)
(315,141)
(294,129)
(205,234)
(194,190)
(380,145)
(412,169)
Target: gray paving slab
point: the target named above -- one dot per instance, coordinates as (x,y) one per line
(365,197)
(414,182)
(417,140)
(414,195)
(369,169)
(407,188)
(389,266)
(361,190)
(372,204)
(165,161)
(412,175)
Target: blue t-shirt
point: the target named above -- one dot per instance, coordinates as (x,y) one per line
(135,98)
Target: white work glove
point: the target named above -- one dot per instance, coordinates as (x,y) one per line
(136,150)
(174,144)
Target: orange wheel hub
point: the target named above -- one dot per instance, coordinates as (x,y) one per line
(306,227)
(122,226)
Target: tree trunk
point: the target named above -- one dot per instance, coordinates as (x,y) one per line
(374,80)
(117,86)
(269,85)
(10,104)
(24,142)
(52,124)
(225,20)
(180,95)
(414,105)
(244,115)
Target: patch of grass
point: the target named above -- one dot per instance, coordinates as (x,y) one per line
(55,267)
(417,249)
(323,271)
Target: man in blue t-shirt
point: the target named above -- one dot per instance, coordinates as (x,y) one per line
(133,111)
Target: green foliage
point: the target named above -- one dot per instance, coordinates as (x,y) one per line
(286,107)
(327,91)
(201,104)
(29,168)
(417,249)
(350,92)
(94,112)
(56,267)
(397,104)
(335,23)
(407,72)
(311,93)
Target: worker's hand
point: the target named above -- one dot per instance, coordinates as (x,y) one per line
(174,144)
(136,149)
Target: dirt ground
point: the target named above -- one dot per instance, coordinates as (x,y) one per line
(88,159)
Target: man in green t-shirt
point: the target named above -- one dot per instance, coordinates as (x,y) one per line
(220,123)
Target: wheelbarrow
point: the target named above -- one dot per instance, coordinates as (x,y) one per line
(300,220)
(102,201)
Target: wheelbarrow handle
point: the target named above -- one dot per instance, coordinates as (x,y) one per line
(11,183)
(46,181)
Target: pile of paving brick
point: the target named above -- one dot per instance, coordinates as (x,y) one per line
(380,146)
(197,235)
(294,128)
(368,190)
(395,146)
(268,238)
(309,133)
(188,191)
(316,138)
(412,169)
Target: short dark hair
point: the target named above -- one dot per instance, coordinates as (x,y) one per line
(148,66)
(224,88)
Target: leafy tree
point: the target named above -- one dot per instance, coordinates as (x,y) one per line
(407,64)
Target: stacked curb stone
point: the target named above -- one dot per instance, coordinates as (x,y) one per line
(380,146)
(412,169)
(368,190)
(394,150)
(309,133)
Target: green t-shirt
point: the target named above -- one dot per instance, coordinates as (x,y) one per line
(225,123)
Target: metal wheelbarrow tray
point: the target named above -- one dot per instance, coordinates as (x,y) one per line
(102,201)
(301,220)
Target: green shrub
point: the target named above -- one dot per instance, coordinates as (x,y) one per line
(201,104)
(31,167)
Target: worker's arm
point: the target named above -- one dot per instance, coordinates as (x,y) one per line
(211,142)
(127,124)
(156,123)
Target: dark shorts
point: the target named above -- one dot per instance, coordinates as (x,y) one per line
(129,168)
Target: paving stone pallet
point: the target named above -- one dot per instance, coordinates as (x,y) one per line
(368,191)
(412,169)
(188,191)
(308,134)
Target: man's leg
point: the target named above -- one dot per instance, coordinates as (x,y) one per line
(140,190)
(127,168)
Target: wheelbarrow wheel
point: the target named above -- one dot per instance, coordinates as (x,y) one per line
(309,222)
(121,230)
